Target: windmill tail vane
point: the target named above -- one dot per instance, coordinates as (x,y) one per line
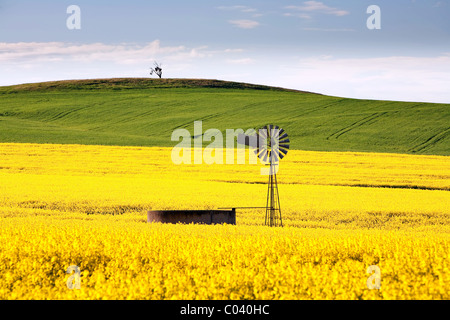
(270,144)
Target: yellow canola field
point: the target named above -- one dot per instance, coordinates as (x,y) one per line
(86,206)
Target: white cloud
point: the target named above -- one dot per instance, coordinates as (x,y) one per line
(298,15)
(406,78)
(248,11)
(242,61)
(41,52)
(319,7)
(237,50)
(245,24)
(329,29)
(244,9)
(25,62)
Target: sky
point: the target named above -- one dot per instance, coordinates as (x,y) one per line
(318,46)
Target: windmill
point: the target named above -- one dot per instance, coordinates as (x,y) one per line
(271,144)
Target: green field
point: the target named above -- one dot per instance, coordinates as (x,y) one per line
(145,112)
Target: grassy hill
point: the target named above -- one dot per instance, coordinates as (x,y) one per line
(144,112)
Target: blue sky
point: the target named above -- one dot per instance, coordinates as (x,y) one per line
(321,46)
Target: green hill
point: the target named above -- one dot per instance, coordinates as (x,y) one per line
(144,112)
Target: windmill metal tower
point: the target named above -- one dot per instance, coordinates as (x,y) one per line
(271,145)
(273,209)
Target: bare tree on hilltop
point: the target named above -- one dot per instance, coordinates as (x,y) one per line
(157,70)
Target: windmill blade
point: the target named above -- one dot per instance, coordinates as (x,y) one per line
(262,137)
(283,151)
(262,133)
(269,128)
(282,155)
(286,146)
(274,156)
(283,136)
(263,155)
(275,134)
(284,141)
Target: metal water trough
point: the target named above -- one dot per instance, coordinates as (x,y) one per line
(193,216)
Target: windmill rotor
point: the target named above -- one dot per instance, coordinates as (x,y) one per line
(271,143)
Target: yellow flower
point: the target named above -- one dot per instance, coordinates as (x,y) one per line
(86,206)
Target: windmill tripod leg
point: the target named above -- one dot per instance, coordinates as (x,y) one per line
(273,210)
(278,206)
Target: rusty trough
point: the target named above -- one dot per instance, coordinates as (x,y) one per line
(193,216)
